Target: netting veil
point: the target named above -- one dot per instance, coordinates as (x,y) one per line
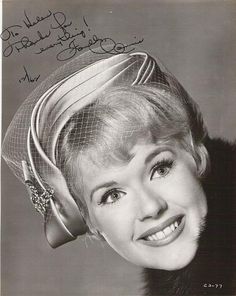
(29,147)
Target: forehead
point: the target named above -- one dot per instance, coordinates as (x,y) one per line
(90,162)
(142,154)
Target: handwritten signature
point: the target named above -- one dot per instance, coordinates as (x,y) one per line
(105,45)
(60,32)
(27,77)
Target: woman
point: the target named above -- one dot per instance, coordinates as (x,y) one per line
(116,148)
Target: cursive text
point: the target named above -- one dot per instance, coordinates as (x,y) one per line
(27,77)
(54,32)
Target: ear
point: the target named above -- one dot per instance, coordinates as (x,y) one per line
(96,234)
(93,231)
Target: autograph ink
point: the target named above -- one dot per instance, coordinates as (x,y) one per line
(106,45)
(59,33)
(29,23)
(27,77)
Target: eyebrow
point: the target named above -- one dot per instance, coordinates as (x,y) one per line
(146,161)
(156,152)
(104,185)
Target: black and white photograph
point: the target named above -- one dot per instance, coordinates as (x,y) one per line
(118,171)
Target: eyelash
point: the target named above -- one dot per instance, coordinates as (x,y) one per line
(109,193)
(164,163)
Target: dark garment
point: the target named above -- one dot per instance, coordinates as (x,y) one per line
(213,270)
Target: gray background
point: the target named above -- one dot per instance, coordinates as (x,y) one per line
(197,42)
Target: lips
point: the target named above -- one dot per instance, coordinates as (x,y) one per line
(164,233)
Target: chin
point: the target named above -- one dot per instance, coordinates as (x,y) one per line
(183,253)
(179,260)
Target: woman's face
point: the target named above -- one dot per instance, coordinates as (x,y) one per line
(150,210)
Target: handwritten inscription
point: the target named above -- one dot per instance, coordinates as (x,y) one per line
(27,77)
(30,23)
(54,30)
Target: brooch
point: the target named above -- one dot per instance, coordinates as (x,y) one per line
(39,196)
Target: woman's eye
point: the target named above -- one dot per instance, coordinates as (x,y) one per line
(111,197)
(161,169)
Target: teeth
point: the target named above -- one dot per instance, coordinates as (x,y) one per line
(153,237)
(167,231)
(162,234)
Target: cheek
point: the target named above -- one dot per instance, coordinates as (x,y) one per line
(185,190)
(116,223)
(195,195)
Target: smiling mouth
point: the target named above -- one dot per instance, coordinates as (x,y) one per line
(165,234)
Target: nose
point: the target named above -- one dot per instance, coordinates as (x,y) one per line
(151,204)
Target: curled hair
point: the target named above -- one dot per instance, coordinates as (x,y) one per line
(106,130)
